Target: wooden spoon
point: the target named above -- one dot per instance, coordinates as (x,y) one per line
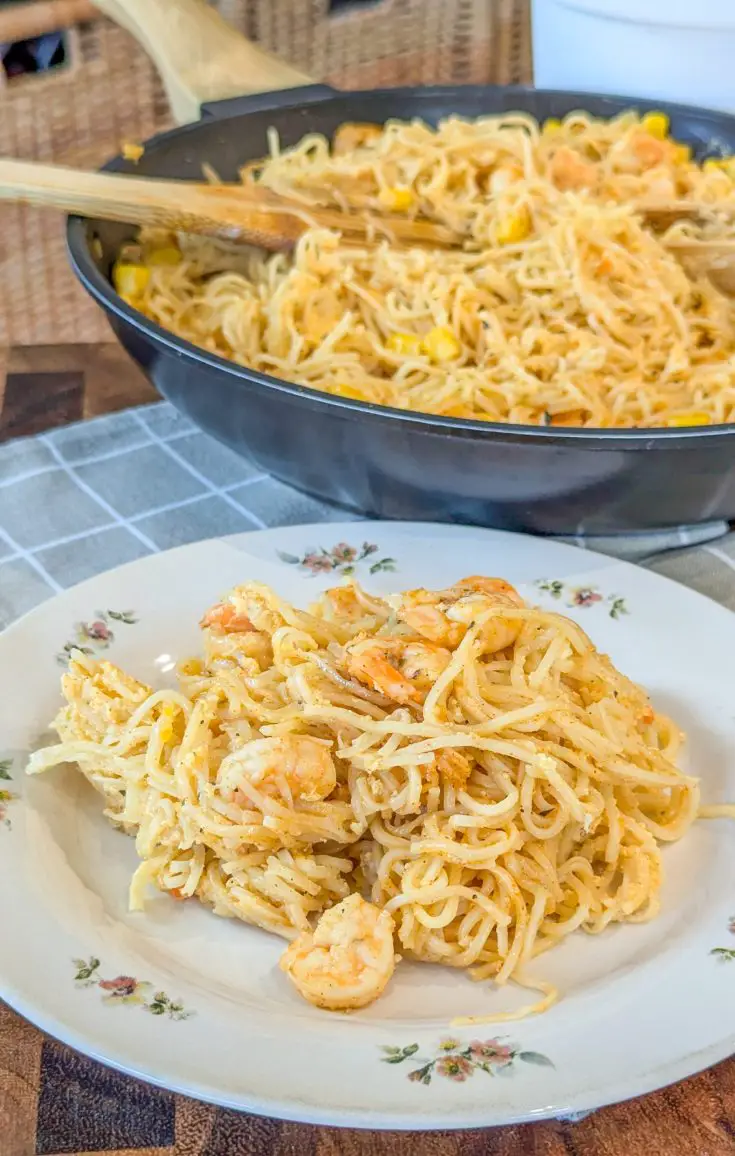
(666,213)
(712,259)
(258,216)
(201,58)
(229,212)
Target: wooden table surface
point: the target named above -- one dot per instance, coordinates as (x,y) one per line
(53,1100)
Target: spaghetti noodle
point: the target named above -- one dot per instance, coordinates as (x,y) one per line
(456,776)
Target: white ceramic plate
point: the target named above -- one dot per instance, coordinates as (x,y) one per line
(197,1004)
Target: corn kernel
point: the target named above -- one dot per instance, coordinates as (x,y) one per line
(514,228)
(192,666)
(167,255)
(551,126)
(572,417)
(694,417)
(720,165)
(406,343)
(396,199)
(682,154)
(656,124)
(130,280)
(132,152)
(351,391)
(166,728)
(441,344)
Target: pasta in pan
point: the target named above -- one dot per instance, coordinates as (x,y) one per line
(453,776)
(564,307)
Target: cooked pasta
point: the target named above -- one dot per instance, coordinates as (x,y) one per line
(563,307)
(455,776)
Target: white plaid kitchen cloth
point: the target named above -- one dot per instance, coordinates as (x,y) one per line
(92,496)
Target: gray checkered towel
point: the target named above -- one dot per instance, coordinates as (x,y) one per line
(92,496)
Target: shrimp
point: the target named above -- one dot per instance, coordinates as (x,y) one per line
(344,603)
(347,961)
(401,670)
(246,608)
(289,766)
(641,152)
(354,135)
(240,628)
(450,768)
(568,170)
(350,604)
(351,611)
(650,151)
(231,638)
(445,616)
(224,618)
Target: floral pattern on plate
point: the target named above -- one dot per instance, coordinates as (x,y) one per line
(6,797)
(583,596)
(90,637)
(726,954)
(126,989)
(457,1061)
(341,559)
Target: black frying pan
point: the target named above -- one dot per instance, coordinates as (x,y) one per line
(380,461)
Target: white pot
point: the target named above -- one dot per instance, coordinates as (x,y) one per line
(677,50)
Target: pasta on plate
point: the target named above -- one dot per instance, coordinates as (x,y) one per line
(563,307)
(454,776)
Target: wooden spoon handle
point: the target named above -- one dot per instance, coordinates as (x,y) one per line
(664,213)
(231,212)
(704,248)
(100,195)
(712,259)
(176,205)
(199,56)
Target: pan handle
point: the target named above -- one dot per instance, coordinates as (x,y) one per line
(199,56)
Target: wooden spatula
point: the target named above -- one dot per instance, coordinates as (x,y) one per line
(666,213)
(229,212)
(712,259)
(258,216)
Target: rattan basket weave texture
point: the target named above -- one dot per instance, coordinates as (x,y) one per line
(109,92)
